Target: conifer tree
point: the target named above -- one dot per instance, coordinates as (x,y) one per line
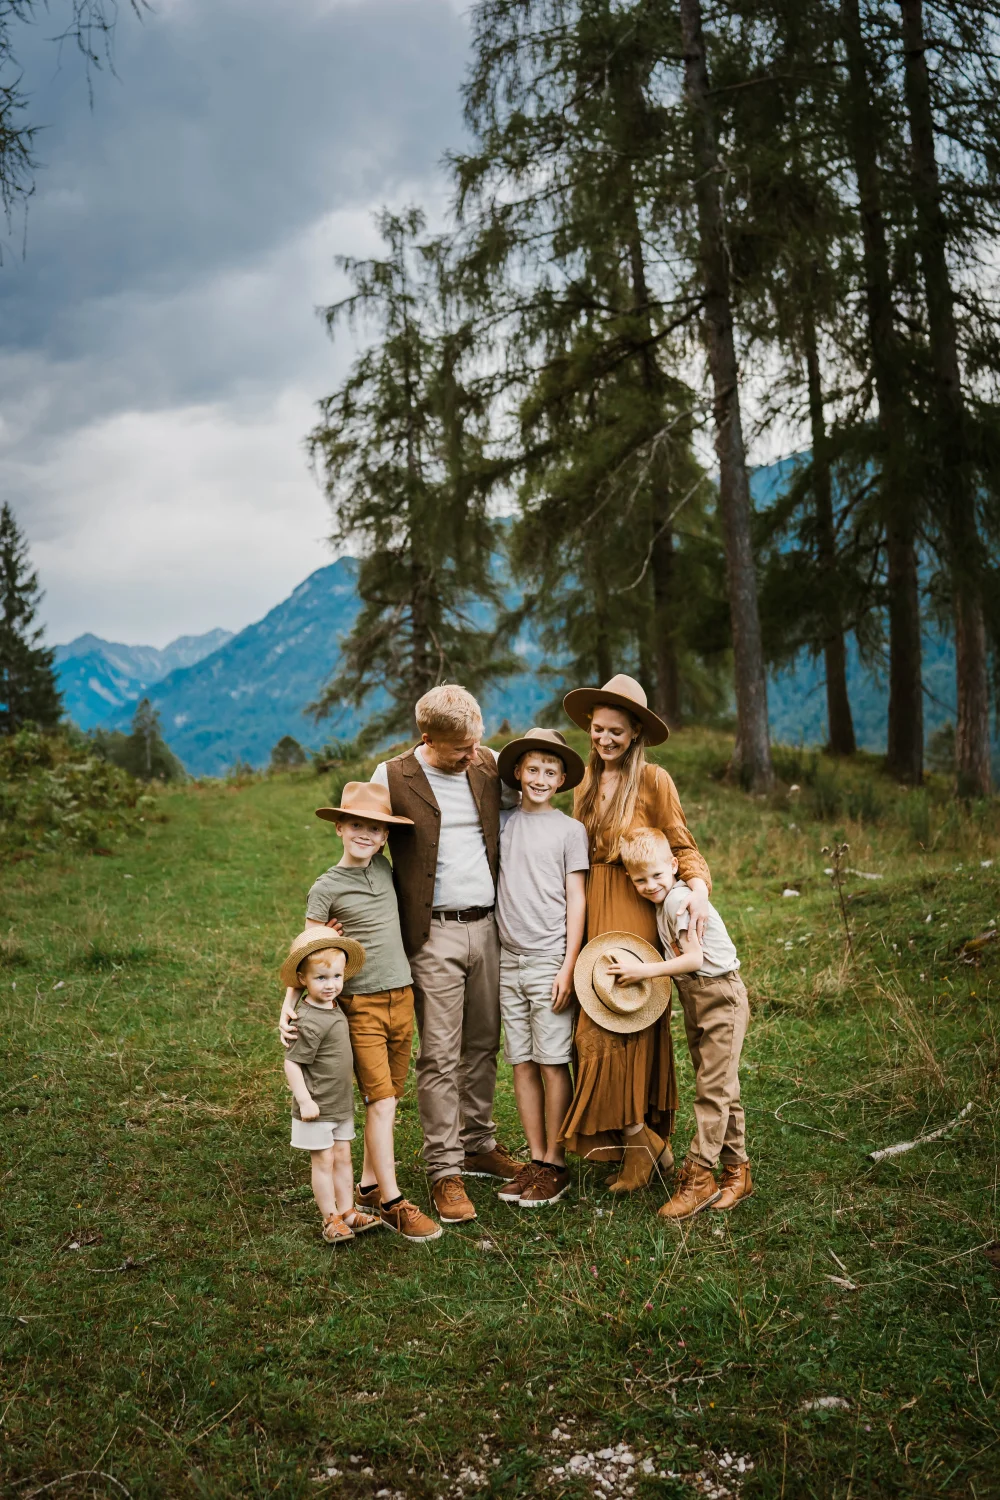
(28,691)
(399,446)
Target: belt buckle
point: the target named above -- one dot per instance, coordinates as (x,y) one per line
(460,918)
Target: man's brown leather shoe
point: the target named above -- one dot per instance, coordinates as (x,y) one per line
(495,1163)
(736,1184)
(696,1189)
(452,1202)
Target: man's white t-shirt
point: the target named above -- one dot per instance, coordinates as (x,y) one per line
(718,953)
(463,874)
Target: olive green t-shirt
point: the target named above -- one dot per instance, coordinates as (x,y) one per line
(363,899)
(322,1050)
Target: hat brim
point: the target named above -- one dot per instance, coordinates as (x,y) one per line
(511,754)
(352,950)
(331,814)
(580,703)
(590,1000)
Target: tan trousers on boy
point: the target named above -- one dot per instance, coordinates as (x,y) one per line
(456,989)
(716,1016)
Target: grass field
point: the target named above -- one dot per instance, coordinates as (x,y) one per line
(172,1325)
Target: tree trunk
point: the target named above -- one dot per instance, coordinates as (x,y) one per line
(666,677)
(972,733)
(838,704)
(906,707)
(752,755)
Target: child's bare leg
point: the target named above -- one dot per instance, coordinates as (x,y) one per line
(380,1148)
(558,1097)
(530,1097)
(323,1183)
(342,1177)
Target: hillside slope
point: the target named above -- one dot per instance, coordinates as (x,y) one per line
(100,679)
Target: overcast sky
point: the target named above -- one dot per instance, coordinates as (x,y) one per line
(160,355)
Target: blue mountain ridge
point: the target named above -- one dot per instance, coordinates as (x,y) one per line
(101,678)
(237,700)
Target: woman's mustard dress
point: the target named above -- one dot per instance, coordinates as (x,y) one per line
(624,1080)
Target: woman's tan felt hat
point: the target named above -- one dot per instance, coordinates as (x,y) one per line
(620,692)
(614,1006)
(363,799)
(313,940)
(550,742)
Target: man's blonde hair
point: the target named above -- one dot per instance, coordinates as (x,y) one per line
(644,846)
(449,712)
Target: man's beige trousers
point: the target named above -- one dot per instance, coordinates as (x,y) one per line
(716,1016)
(456,989)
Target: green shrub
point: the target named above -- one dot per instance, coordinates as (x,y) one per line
(918,816)
(55,793)
(826,794)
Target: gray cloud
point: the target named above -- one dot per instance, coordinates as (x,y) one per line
(160,353)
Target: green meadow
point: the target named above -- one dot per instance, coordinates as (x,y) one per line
(172,1324)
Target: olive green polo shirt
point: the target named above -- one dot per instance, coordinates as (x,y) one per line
(322,1050)
(363,900)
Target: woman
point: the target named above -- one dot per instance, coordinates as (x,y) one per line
(625,1083)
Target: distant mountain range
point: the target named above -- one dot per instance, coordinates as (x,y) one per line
(225,698)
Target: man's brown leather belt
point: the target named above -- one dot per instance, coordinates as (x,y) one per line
(467,914)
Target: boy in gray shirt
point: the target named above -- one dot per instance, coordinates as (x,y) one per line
(541,912)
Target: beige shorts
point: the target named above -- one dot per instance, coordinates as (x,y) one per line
(319,1135)
(532,1030)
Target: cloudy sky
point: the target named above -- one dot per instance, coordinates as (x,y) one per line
(160,355)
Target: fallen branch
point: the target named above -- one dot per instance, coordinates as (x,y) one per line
(80,1474)
(818,1129)
(921,1140)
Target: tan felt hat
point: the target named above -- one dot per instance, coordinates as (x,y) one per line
(615,1006)
(620,692)
(313,940)
(550,742)
(363,799)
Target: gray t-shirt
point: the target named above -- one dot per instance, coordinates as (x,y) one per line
(363,899)
(718,952)
(537,852)
(322,1050)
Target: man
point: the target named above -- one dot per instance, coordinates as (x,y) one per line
(445,870)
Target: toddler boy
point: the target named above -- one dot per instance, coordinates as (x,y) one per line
(357,897)
(318,1072)
(716,1016)
(541,912)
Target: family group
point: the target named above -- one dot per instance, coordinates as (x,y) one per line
(497,907)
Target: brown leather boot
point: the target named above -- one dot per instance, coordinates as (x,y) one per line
(736,1184)
(696,1189)
(644,1152)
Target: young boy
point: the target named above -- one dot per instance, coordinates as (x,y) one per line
(541,911)
(716,1015)
(318,1072)
(357,896)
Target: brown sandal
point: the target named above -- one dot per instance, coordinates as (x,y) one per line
(359,1221)
(335,1230)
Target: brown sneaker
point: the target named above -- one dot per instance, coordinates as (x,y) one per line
(495,1163)
(696,1189)
(511,1191)
(451,1200)
(406,1219)
(368,1197)
(549,1185)
(736,1184)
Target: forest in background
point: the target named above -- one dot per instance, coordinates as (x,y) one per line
(678,228)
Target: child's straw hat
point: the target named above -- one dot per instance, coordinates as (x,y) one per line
(615,1006)
(620,692)
(549,742)
(363,799)
(314,940)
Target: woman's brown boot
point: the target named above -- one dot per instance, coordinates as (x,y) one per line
(644,1153)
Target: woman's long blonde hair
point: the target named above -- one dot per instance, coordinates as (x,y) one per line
(620,814)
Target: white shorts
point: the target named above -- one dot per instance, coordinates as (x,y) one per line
(532,1030)
(319,1135)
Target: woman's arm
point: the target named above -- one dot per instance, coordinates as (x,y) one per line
(295,1078)
(576,920)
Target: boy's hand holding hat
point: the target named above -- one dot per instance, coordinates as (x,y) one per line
(614,1005)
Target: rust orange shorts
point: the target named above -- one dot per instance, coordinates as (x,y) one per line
(381,1028)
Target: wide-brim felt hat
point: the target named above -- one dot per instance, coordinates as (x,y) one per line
(363,799)
(621,692)
(614,1006)
(549,742)
(314,940)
